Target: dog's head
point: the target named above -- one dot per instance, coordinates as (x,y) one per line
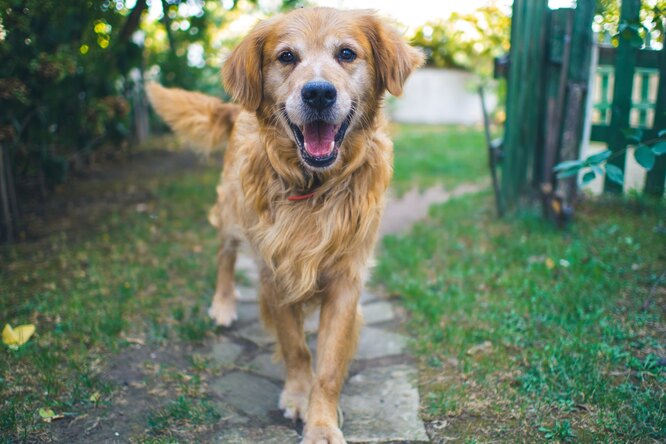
(318,74)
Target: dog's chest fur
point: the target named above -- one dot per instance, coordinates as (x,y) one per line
(308,242)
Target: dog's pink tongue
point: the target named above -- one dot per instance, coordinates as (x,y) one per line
(319,138)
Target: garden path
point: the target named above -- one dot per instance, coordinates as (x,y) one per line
(380,400)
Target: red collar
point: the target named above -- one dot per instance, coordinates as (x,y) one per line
(300,197)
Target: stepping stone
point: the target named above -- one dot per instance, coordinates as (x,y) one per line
(367,296)
(263,435)
(247,311)
(228,415)
(382,405)
(263,364)
(225,351)
(247,294)
(377,343)
(378,312)
(248,266)
(311,324)
(252,395)
(256,333)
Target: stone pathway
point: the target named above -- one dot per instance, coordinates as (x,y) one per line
(380,399)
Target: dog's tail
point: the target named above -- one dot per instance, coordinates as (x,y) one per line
(201,120)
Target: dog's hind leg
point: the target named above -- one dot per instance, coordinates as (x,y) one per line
(223,308)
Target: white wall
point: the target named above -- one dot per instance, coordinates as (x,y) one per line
(433,95)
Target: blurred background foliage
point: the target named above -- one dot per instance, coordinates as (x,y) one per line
(72,72)
(466,41)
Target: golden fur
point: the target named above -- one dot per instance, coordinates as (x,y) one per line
(313,251)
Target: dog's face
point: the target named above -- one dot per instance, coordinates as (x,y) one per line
(318,74)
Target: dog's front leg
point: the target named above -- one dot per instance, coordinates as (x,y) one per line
(294,398)
(339,327)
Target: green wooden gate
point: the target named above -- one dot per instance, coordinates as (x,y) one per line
(548,79)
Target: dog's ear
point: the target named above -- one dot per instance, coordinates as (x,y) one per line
(394,58)
(242,71)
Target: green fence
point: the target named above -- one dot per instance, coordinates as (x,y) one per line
(630,94)
(547,95)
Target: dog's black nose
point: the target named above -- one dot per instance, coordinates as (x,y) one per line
(319,95)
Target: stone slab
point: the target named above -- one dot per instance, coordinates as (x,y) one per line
(367,296)
(247,294)
(376,312)
(252,395)
(311,324)
(382,405)
(248,266)
(255,332)
(263,364)
(378,343)
(247,311)
(225,352)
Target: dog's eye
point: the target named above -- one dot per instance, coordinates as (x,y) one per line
(346,55)
(287,57)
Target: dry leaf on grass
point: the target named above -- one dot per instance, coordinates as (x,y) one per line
(15,337)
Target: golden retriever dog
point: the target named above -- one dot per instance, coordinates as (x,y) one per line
(306,167)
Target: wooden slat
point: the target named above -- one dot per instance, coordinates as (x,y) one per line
(524,131)
(625,64)
(600,133)
(645,58)
(557,76)
(654,183)
(577,90)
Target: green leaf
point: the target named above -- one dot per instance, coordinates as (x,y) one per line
(645,157)
(633,134)
(614,173)
(46,413)
(568,164)
(659,148)
(598,158)
(588,177)
(567,173)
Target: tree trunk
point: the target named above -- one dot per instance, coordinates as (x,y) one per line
(133,21)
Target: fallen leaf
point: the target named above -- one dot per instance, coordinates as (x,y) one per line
(550,264)
(49,415)
(15,337)
(94,398)
(484,347)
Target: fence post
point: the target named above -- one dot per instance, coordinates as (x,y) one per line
(654,183)
(625,65)
(573,125)
(524,132)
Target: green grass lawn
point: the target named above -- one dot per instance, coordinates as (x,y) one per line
(426,155)
(527,333)
(143,272)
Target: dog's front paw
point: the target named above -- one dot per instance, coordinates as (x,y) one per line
(294,401)
(223,310)
(323,435)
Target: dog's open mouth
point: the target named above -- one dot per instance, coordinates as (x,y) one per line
(319,141)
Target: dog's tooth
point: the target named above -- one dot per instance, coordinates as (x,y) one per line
(330,148)
(305,145)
